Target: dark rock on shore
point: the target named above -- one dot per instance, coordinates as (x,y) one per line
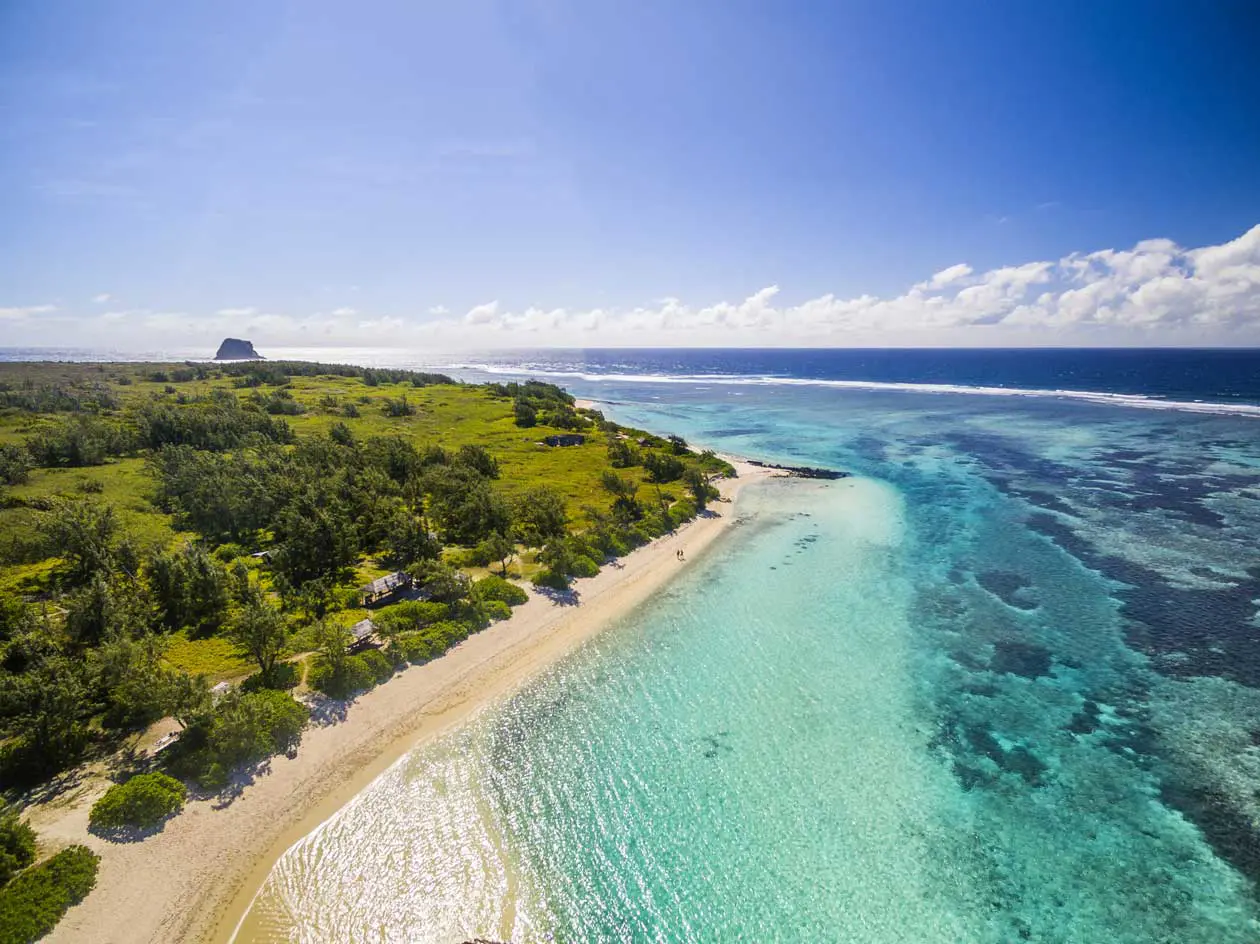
(802,471)
(234,349)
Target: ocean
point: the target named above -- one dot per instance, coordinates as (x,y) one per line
(1001,685)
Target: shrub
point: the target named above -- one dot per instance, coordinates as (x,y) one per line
(553,579)
(408,615)
(353,676)
(496,589)
(143,801)
(412,646)
(33,903)
(582,566)
(497,610)
(378,664)
(17,846)
(15,464)
(681,511)
(244,728)
(284,675)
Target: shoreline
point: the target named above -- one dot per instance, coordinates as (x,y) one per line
(196,880)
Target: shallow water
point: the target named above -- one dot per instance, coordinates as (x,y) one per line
(1002,688)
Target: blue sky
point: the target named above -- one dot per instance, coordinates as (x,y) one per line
(618,173)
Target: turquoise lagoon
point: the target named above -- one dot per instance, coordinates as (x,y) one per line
(1000,686)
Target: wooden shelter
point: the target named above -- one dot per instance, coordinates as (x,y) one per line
(383,589)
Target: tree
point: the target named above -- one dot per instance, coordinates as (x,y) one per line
(526,416)
(45,706)
(464,505)
(340,433)
(626,507)
(409,539)
(190,589)
(15,464)
(85,533)
(186,697)
(620,455)
(540,516)
(699,487)
(131,676)
(317,539)
(440,582)
(498,547)
(662,467)
(17,844)
(259,632)
(477,458)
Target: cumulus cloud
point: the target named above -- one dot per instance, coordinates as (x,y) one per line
(952,274)
(102,298)
(1153,293)
(1148,294)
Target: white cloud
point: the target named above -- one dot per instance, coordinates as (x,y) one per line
(1153,293)
(22,312)
(102,298)
(952,274)
(482,314)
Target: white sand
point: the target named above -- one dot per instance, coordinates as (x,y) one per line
(194,880)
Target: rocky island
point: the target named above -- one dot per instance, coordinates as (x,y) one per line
(234,349)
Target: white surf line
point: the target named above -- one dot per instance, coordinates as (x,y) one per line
(1137,400)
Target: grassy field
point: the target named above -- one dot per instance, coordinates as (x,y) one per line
(447,415)
(35,397)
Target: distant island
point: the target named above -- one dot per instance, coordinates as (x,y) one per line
(234,349)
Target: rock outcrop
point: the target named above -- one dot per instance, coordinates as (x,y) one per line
(234,349)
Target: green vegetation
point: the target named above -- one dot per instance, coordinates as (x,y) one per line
(33,903)
(17,845)
(167,527)
(242,730)
(497,589)
(142,802)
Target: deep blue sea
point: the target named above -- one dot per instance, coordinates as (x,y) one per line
(1001,685)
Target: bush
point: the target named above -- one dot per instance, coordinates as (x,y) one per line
(414,646)
(378,664)
(681,511)
(142,802)
(583,566)
(284,676)
(15,464)
(553,579)
(355,675)
(408,615)
(245,727)
(497,610)
(17,846)
(33,903)
(496,589)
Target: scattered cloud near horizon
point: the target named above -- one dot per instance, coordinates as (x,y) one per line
(1155,293)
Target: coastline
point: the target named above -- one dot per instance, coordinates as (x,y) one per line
(195,880)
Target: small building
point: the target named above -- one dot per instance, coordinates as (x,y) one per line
(362,635)
(565,439)
(383,589)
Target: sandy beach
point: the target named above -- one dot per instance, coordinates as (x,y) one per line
(195,879)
